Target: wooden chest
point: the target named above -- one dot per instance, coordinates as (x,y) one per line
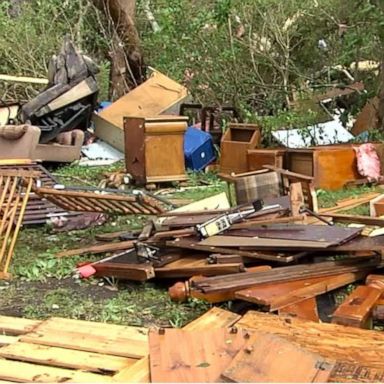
(235,143)
(259,157)
(154,148)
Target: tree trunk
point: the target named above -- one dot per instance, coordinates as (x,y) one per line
(127,68)
(380,112)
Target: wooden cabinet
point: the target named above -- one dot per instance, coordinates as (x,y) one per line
(331,166)
(259,157)
(235,143)
(154,148)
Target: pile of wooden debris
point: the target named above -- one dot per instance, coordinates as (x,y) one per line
(220,346)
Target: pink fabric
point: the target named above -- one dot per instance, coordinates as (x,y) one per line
(368,162)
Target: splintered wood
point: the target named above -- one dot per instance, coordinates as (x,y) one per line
(107,203)
(13,202)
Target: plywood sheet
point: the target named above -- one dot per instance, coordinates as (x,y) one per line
(320,233)
(268,358)
(200,357)
(151,98)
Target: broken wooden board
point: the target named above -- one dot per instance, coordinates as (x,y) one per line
(306,310)
(194,244)
(355,346)
(269,358)
(135,272)
(25,372)
(261,243)
(192,266)
(278,295)
(90,336)
(17,325)
(241,281)
(316,233)
(350,203)
(356,309)
(97,248)
(200,357)
(65,358)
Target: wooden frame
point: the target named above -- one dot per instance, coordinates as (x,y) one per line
(93,202)
(12,201)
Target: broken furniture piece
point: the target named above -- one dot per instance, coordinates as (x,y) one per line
(257,158)
(269,182)
(22,142)
(235,143)
(13,200)
(154,150)
(158,95)
(83,201)
(69,99)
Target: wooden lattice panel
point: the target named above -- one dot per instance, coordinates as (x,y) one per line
(107,203)
(13,200)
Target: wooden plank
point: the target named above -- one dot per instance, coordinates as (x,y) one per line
(5,340)
(94,328)
(237,241)
(200,357)
(65,358)
(136,272)
(26,372)
(300,232)
(306,309)
(284,274)
(278,295)
(336,342)
(271,359)
(214,318)
(357,307)
(342,218)
(90,337)
(192,266)
(97,248)
(196,246)
(17,325)
(89,343)
(350,203)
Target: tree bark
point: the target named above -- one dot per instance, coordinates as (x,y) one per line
(127,66)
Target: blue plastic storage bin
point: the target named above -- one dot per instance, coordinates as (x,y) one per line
(198,149)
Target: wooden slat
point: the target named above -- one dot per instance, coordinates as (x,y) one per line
(199,357)
(17,325)
(5,340)
(26,372)
(91,337)
(97,248)
(136,272)
(279,295)
(271,359)
(65,358)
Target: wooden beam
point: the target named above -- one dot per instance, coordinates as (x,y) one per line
(97,248)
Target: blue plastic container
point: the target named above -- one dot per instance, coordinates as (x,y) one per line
(198,149)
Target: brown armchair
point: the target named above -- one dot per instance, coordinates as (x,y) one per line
(22,142)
